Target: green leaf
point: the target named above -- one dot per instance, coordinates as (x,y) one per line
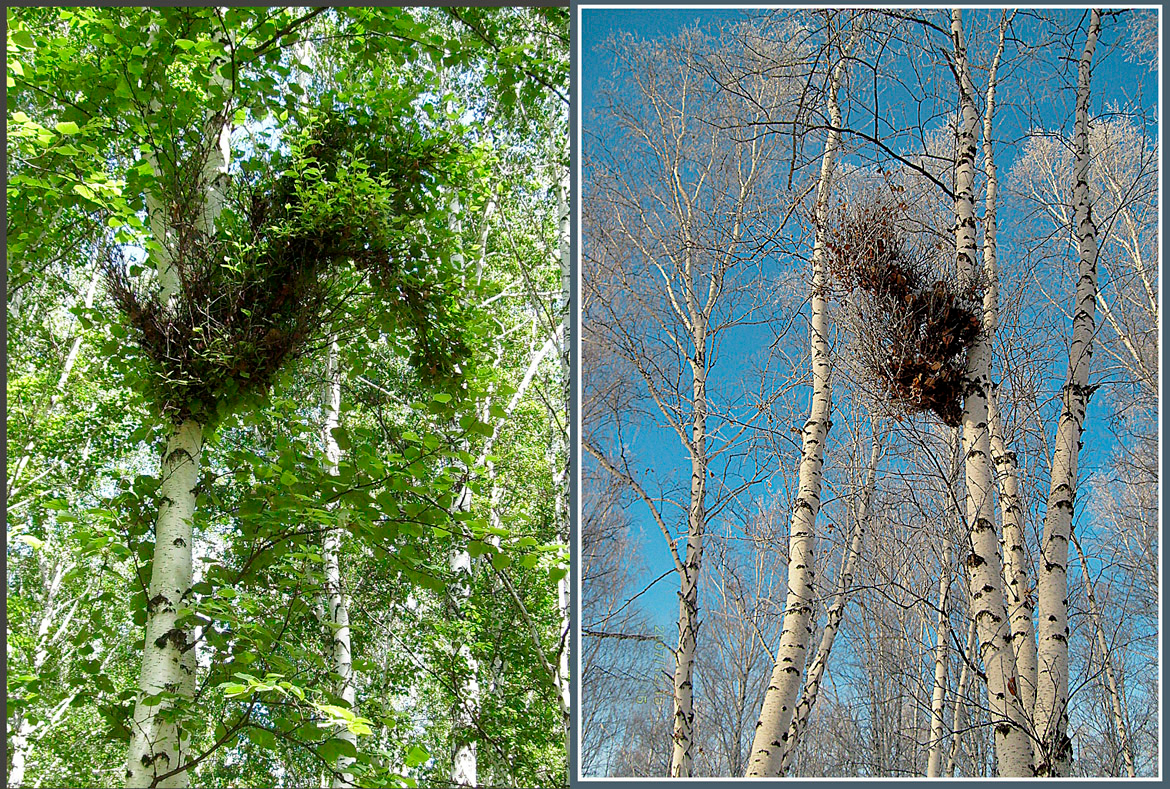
(416,756)
(22,38)
(501,561)
(67,127)
(184,44)
(331,750)
(262,737)
(30,540)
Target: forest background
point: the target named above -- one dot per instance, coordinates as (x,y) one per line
(316,261)
(903,691)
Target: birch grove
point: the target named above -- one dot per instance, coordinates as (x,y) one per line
(956,266)
(253,362)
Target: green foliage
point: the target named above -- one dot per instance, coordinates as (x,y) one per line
(369,179)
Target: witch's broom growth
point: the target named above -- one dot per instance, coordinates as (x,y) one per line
(239,297)
(912,324)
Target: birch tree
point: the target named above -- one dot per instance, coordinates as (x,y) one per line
(779,703)
(679,221)
(1052,593)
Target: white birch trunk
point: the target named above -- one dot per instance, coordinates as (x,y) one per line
(337,606)
(938,696)
(683,735)
(562,458)
(934,761)
(52,617)
(1015,556)
(1016,564)
(808,697)
(158,742)
(464,762)
(1110,678)
(1051,713)
(777,712)
(984,567)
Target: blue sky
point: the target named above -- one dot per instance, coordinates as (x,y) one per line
(1115,80)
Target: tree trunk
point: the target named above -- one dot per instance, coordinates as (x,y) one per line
(562,457)
(21,740)
(683,735)
(984,568)
(157,740)
(466,708)
(1016,565)
(1015,556)
(769,742)
(942,631)
(960,691)
(1051,713)
(808,698)
(337,606)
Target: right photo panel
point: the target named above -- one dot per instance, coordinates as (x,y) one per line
(869,399)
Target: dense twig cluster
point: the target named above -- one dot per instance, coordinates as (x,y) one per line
(264,287)
(912,324)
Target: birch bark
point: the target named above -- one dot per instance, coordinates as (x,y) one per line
(1015,556)
(167,677)
(1051,712)
(960,691)
(54,617)
(808,698)
(776,715)
(984,567)
(683,735)
(934,762)
(336,603)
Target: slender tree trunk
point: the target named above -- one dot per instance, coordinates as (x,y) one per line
(157,740)
(167,677)
(1016,564)
(562,458)
(53,618)
(337,605)
(464,769)
(1015,556)
(768,744)
(808,698)
(984,567)
(1051,713)
(938,696)
(683,736)
(1107,663)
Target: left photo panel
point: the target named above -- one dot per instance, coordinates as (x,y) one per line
(287,397)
